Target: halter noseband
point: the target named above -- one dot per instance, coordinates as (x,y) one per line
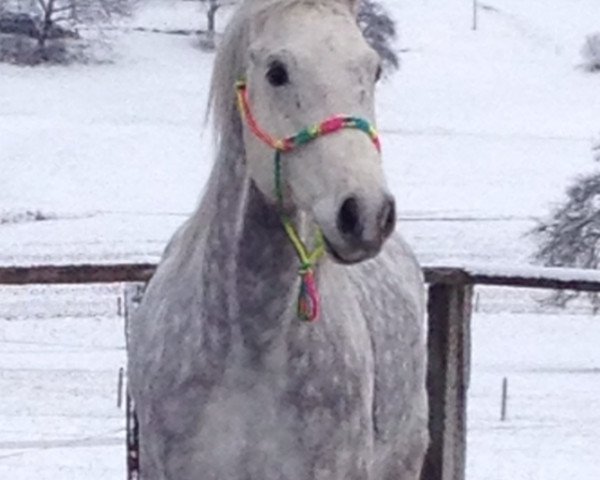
(308,298)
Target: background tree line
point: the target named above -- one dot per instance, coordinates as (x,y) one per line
(37,31)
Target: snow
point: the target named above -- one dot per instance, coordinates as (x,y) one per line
(552,364)
(58,378)
(482,132)
(499,270)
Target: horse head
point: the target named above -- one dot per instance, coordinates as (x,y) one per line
(301,67)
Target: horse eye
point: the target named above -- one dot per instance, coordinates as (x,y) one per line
(277,75)
(378,74)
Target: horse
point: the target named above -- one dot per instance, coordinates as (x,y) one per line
(283,335)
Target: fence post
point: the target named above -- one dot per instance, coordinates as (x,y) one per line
(133,294)
(504,402)
(449,317)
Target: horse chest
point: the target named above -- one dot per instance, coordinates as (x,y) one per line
(311,395)
(329,386)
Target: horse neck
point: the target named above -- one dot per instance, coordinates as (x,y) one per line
(248,255)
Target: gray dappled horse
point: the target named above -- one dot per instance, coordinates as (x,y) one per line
(228,382)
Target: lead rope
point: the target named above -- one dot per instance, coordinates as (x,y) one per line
(308,306)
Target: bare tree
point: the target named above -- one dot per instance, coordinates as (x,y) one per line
(591,52)
(212,7)
(570,237)
(48,23)
(52,17)
(380,31)
(52,13)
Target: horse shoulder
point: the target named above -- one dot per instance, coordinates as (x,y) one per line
(167,361)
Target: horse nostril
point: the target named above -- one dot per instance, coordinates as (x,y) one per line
(388,217)
(348,221)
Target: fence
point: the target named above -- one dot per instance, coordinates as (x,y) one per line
(449,315)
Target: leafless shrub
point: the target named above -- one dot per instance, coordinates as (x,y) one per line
(570,236)
(591,52)
(380,31)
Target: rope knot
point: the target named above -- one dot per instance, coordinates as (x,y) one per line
(305,268)
(308,297)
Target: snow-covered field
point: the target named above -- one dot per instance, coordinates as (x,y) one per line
(58,377)
(482,131)
(552,364)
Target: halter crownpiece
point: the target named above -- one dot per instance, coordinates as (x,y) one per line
(308,307)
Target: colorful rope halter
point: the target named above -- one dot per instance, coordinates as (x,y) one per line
(308,298)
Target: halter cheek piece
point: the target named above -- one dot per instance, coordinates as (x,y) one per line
(308,298)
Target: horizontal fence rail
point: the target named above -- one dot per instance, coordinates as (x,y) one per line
(449,310)
(526,277)
(77,274)
(518,277)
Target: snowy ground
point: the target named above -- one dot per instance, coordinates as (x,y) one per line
(58,377)
(482,131)
(553,368)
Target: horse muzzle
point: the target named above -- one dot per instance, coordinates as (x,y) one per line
(361,229)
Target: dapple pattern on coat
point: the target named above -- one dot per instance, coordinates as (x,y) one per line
(227,383)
